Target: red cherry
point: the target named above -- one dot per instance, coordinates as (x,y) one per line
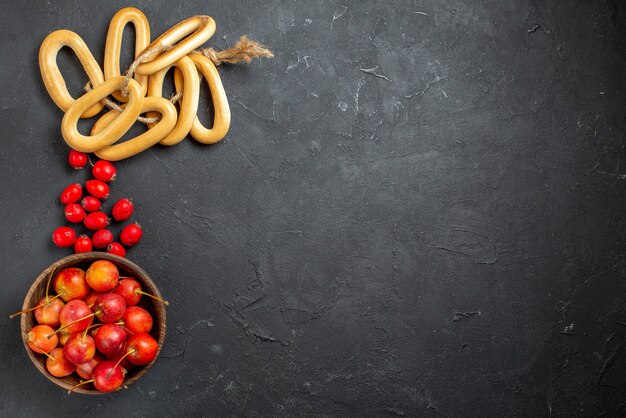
(107,376)
(83,244)
(122,209)
(74,213)
(109,307)
(141,349)
(71,194)
(129,289)
(117,249)
(131,234)
(77,159)
(137,320)
(102,238)
(96,220)
(90,204)
(104,171)
(64,236)
(79,349)
(97,188)
(110,339)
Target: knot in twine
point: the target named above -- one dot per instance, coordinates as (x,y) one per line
(244,51)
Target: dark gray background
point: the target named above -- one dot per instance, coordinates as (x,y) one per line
(441,236)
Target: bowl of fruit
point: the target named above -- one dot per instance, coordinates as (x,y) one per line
(93,323)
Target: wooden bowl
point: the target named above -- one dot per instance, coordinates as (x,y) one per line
(83,260)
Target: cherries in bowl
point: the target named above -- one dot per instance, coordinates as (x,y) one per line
(151,305)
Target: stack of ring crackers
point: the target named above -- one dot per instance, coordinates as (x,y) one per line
(139,91)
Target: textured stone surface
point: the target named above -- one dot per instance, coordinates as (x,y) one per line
(418,211)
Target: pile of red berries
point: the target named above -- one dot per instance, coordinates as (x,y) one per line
(101,332)
(89,212)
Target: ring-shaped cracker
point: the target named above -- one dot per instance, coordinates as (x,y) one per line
(51,74)
(184,37)
(112,49)
(143,141)
(189,85)
(221,118)
(113,131)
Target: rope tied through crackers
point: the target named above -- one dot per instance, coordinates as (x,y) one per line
(245,50)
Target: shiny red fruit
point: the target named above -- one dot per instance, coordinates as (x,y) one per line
(122,209)
(90,204)
(71,194)
(96,220)
(58,365)
(137,320)
(102,238)
(74,310)
(129,289)
(110,339)
(83,244)
(74,213)
(131,234)
(64,236)
(79,348)
(107,376)
(109,307)
(77,159)
(143,349)
(97,189)
(117,249)
(104,171)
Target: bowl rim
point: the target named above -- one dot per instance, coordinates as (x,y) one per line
(70,261)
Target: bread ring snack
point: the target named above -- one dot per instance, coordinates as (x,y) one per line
(114,45)
(141,142)
(113,131)
(193,31)
(51,74)
(221,118)
(189,85)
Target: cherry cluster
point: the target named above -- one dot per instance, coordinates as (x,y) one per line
(89,212)
(101,332)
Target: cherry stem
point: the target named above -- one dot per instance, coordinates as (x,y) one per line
(141,292)
(48,284)
(120,360)
(34,308)
(88,326)
(80,384)
(40,349)
(71,323)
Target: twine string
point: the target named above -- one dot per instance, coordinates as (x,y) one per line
(243,51)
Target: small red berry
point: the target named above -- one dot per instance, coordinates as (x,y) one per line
(74,213)
(122,209)
(102,238)
(64,236)
(117,249)
(77,159)
(98,189)
(131,234)
(71,194)
(90,204)
(104,171)
(82,244)
(96,220)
